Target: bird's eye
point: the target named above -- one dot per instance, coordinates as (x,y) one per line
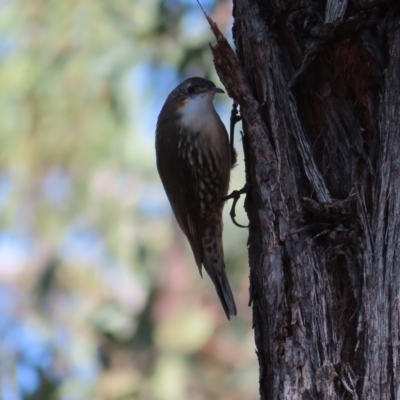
(190,89)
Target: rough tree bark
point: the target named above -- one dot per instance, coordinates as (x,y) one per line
(318,84)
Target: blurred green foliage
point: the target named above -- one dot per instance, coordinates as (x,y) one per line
(99,293)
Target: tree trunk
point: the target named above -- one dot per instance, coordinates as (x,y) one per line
(318,84)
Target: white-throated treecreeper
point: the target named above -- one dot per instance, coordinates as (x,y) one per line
(194,163)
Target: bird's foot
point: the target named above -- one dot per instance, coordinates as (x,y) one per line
(235,195)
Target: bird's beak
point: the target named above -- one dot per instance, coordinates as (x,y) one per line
(215,90)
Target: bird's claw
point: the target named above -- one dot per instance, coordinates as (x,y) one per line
(235,195)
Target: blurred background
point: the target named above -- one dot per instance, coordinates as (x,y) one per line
(100,297)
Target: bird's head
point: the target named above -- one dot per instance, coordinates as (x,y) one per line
(196,91)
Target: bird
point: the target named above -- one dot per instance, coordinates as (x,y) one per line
(194,163)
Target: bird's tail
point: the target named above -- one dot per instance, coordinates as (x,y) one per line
(213,261)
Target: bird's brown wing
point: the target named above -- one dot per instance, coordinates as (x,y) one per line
(181,185)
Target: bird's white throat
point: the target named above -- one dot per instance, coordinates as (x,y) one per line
(198,113)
